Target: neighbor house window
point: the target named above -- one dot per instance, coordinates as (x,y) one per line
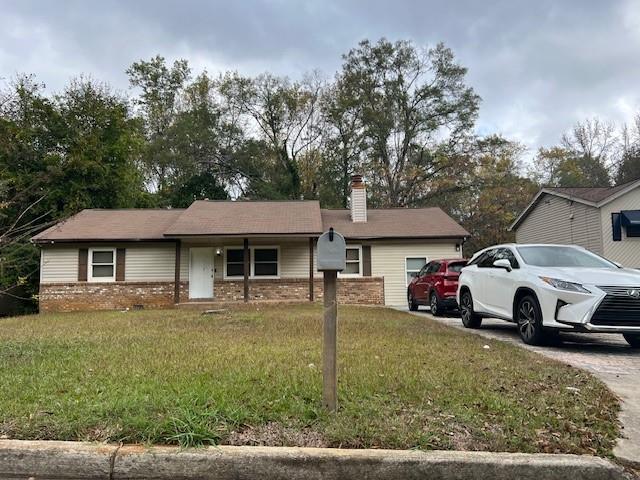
(234,266)
(353,265)
(264,262)
(102,265)
(413,265)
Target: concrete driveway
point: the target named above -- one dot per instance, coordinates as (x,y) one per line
(608,357)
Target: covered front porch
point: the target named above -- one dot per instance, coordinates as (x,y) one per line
(233,269)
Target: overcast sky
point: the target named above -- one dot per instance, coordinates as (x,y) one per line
(538,65)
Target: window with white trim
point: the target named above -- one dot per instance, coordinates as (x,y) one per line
(234,266)
(412,266)
(264,262)
(353,264)
(102,265)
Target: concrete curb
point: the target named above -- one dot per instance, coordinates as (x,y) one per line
(75,460)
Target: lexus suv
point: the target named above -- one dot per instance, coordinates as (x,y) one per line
(548,288)
(436,285)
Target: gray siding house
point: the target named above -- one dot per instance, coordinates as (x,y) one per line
(605,220)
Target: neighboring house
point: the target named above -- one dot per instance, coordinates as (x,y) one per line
(606,220)
(228,251)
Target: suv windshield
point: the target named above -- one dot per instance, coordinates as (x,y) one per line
(456,267)
(543,256)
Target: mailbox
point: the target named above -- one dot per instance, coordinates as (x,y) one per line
(332,251)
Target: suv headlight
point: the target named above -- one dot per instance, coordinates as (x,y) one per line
(564,285)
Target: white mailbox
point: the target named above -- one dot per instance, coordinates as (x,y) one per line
(332,251)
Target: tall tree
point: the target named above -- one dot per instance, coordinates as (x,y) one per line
(629,164)
(584,157)
(59,155)
(160,89)
(495,192)
(415,108)
(343,144)
(284,115)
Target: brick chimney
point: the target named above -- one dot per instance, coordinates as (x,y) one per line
(358,199)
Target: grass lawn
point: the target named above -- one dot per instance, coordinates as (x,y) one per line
(253,376)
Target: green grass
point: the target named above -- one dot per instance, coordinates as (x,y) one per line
(253,376)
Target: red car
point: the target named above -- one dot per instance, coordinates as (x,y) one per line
(436,285)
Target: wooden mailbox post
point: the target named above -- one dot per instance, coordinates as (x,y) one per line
(331,260)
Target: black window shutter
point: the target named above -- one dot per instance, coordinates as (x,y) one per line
(366,260)
(120,262)
(83,255)
(616,227)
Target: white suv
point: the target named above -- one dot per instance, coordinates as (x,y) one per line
(546,288)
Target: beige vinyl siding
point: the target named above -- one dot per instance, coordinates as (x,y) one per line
(626,251)
(550,222)
(388,260)
(294,258)
(184,263)
(148,264)
(59,265)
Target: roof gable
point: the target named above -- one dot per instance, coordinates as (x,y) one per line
(592,196)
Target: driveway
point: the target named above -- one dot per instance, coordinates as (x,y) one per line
(608,357)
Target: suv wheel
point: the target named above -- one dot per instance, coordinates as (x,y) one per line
(470,319)
(413,306)
(434,305)
(529,319)
(633,339)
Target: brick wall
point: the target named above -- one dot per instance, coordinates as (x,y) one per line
(357,290)
(57,297)
(65,297)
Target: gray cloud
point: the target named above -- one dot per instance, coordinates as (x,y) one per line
(539,66)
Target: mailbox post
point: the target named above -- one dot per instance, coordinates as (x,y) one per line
(331,260)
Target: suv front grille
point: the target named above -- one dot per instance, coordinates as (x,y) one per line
(619,308)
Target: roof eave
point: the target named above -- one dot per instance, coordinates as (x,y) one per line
(50,241)
(241,235)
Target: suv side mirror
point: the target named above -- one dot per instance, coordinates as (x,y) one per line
(503,263)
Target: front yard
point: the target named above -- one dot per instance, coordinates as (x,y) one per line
(253,376)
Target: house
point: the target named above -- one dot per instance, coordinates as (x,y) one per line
(605,220)
(230,251)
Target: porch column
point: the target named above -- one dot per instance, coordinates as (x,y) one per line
(176,286)
(311,269)
(246,270)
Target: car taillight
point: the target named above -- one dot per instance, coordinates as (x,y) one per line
(452,278)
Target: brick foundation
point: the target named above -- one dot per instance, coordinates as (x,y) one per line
(67,297)
(59,297)
(357,290)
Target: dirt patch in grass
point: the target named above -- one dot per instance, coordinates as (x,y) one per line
(252,376)
(275,435)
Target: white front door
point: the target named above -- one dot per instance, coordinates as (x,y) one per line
(201,272)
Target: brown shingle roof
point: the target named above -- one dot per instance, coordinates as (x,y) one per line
(249,218)
(395,223)
(130,224)
(590,194)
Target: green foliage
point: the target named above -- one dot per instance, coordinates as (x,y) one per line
(629,166)
(57,156)
(494,192)
(413,106)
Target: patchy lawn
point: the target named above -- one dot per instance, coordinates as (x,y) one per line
(253,376)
